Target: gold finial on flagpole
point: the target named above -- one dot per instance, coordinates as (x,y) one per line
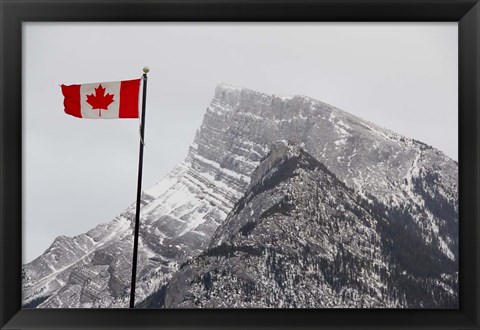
(146,69)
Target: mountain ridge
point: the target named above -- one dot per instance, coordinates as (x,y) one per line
(285,244)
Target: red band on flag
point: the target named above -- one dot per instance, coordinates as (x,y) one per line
(72,100)
(129,90)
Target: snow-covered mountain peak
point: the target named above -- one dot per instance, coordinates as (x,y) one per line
(300,238)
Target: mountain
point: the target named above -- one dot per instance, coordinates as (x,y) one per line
(300,238)
(408,180)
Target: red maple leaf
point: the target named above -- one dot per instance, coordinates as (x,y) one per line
(100,101)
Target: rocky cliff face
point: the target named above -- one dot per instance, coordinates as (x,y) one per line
(411,181)
(300,238)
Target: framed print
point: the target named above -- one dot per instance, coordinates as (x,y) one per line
(288,165)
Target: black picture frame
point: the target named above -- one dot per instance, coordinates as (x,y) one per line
(13,13)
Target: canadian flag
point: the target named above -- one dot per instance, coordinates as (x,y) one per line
(106,100)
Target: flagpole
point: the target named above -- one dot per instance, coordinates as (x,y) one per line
(139,191)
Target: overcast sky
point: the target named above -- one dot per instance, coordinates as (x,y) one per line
(79,173)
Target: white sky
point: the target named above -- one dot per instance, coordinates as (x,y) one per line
(79,173)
